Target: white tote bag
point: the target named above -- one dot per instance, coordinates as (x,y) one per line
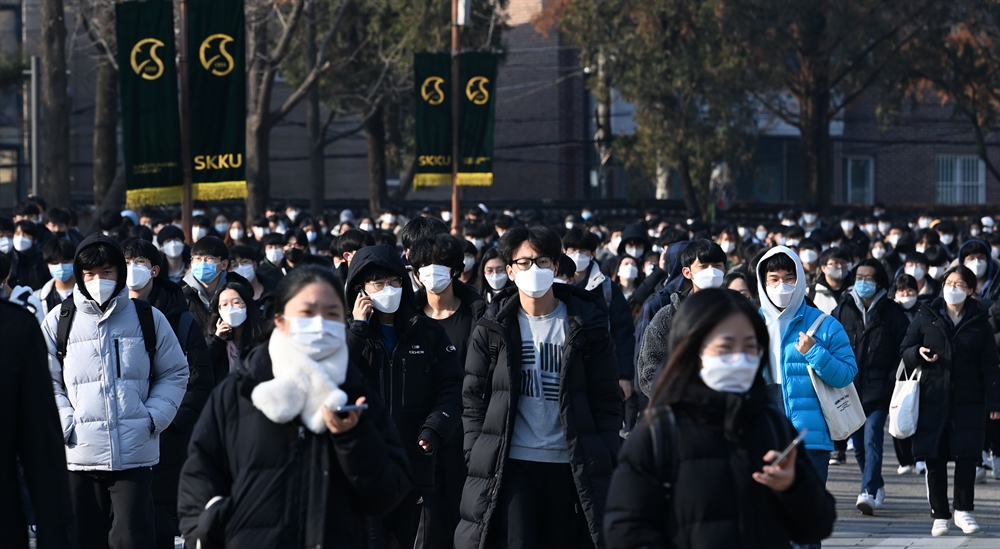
(904,408)
(841,407)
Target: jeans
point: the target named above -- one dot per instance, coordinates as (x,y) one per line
(868,450)
(821,462)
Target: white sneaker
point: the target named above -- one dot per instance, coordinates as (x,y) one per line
(879,498)
(965,521)
(940,527)
(904,470)
(921,468)
(865,504)
(980,475)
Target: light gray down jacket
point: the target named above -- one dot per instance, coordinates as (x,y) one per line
(111,416)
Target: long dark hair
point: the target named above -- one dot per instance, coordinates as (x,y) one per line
(697,316)
(244,334)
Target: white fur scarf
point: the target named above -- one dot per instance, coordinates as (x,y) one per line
(301,385)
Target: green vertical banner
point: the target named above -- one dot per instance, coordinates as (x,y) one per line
(477,101)
(150,119)
(218,98)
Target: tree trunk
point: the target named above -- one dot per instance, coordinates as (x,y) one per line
(112,201)
(662,181)
(375,135)
(317,167)
(105,128)
(53,137)
(602,120)
(258,166)
(813,96)
(687,186)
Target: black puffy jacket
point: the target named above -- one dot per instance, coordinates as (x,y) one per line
(713,501)
(282,485)
(957,389)
(589,403)
(876,346)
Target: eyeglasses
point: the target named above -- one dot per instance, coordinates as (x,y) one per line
(866,278)
(525,263)
(379,285)
(211,259)
(959,285)
(139,262)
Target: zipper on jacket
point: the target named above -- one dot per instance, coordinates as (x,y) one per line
(402,391)
(118,359)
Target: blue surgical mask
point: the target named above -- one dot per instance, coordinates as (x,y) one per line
(61,272)
(865,289)
(204,272)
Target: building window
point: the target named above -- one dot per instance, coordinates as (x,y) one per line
(859,180)
(961,180)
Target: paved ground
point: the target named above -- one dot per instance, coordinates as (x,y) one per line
(905,520)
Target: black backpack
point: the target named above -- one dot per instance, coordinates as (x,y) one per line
(142,308)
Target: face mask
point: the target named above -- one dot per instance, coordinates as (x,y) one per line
(234,316)
(246,271)
(995,253)
(865,289)
(884,227)
(907,302)
(582,261)
(497,281)
(260,232)
(732,373)
(292,214)
(902,257)
(204,272)
(468,264)
(920,249)
(22,243)
(916,271)
(274,255)
(61,272)
(648,269)
(197,212)
(635,252)
(947,239)
(387,300)
(311,236)
(787,223)
(281,228)
(478,243)
(628,272)
(978,267)
(973,232)
(809,218)
(221,227)
(937,272)
(569,225)
(534,282)
(236,234)
(792,243)
(613,246)
(742,231)
(5,245)
(924,223)
(446,216)
(708,278)
(835,273)
(878,253)
(586,216)
(894,239)
(137,277)
(657,249)
(847,226)
(954,296)
(808,256)
(761,235)
(100,289)
(871,228)
(781,241)
(173,249)
(197,233)
(435,278)
(367,227)
(780,294)
(316,336)
(294,255)
(728,247)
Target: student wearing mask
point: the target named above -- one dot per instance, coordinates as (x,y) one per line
(242,262)
(698,471)
(906,296)
(810,251)
(29,269)
(902,242)
(414,366)
(470,252)
(853,235)
(948,237)
(635,242)
(236,234)
(875,326)
(296,249)
(918,266)
(232,329)
(209,272)
(58,254)
(540,450)
(171,241)
(831,280)
(975,256)
(951,342)
(493,278)
(628,277)
(703,264)
(732,245)
(273,265)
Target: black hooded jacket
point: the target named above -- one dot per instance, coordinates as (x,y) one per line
(116,259)
(421,380)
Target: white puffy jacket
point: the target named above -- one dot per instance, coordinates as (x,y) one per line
(112,411)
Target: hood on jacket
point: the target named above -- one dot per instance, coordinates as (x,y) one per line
(991,264)
(169,298)
(379,256)
(769,309)
(675,278)
(115,257)
(634,232)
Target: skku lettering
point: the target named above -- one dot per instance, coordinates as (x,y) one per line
(432,160)
(218,162)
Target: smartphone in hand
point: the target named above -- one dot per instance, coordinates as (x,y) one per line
(788,449)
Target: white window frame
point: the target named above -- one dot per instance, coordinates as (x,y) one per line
(954,183)
(869,195)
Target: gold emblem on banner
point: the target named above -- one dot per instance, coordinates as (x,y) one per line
(475,90)
(220,64)
(431,91)
(144,69)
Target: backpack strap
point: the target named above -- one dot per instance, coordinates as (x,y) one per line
(664,456)
(145,313)
(67,310)
(606,287)
(184,324)
(816,324)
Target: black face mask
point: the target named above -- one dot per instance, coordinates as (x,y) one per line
(294,255)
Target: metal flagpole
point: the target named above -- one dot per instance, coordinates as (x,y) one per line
(454,116)
(186,204)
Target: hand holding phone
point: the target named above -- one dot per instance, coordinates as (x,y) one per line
(363,306)
(344,418)
(788,449)
(927,354)
(779,473)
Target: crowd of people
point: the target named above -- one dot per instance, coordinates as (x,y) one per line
(525,381)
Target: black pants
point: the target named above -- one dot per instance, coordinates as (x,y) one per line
(113,508)
(439,512)
(904,451)
(538,506)
(937,481)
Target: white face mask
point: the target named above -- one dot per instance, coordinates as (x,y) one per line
(973,232)
(808,256)
(468,264)
(884,227)
(316,336)
(534,282)
(920,249)
(907,302)
(436,278)
(613,245)
(137,277)
(635,252)
(234,316)
(954,296)
(446,216)
(260,232)
(847,226)
(732,373)
(937,272)
(947,239)
(781,294)
(497,281)
(22,243)
(274,255)
(236,234)
(728,247)
(809,218)
(367,227)
(628,272)
(761,235)
(894,239)
(648,269)
(387,301)
(246,271)
(977,266)
(923,223)
(197,233)
(708,278)
(173,249)
(101,289)
(878,253)
(311,236)
(835,273)
(5,245)
(792,243)
(916,271)
(292,215)
(582,261)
